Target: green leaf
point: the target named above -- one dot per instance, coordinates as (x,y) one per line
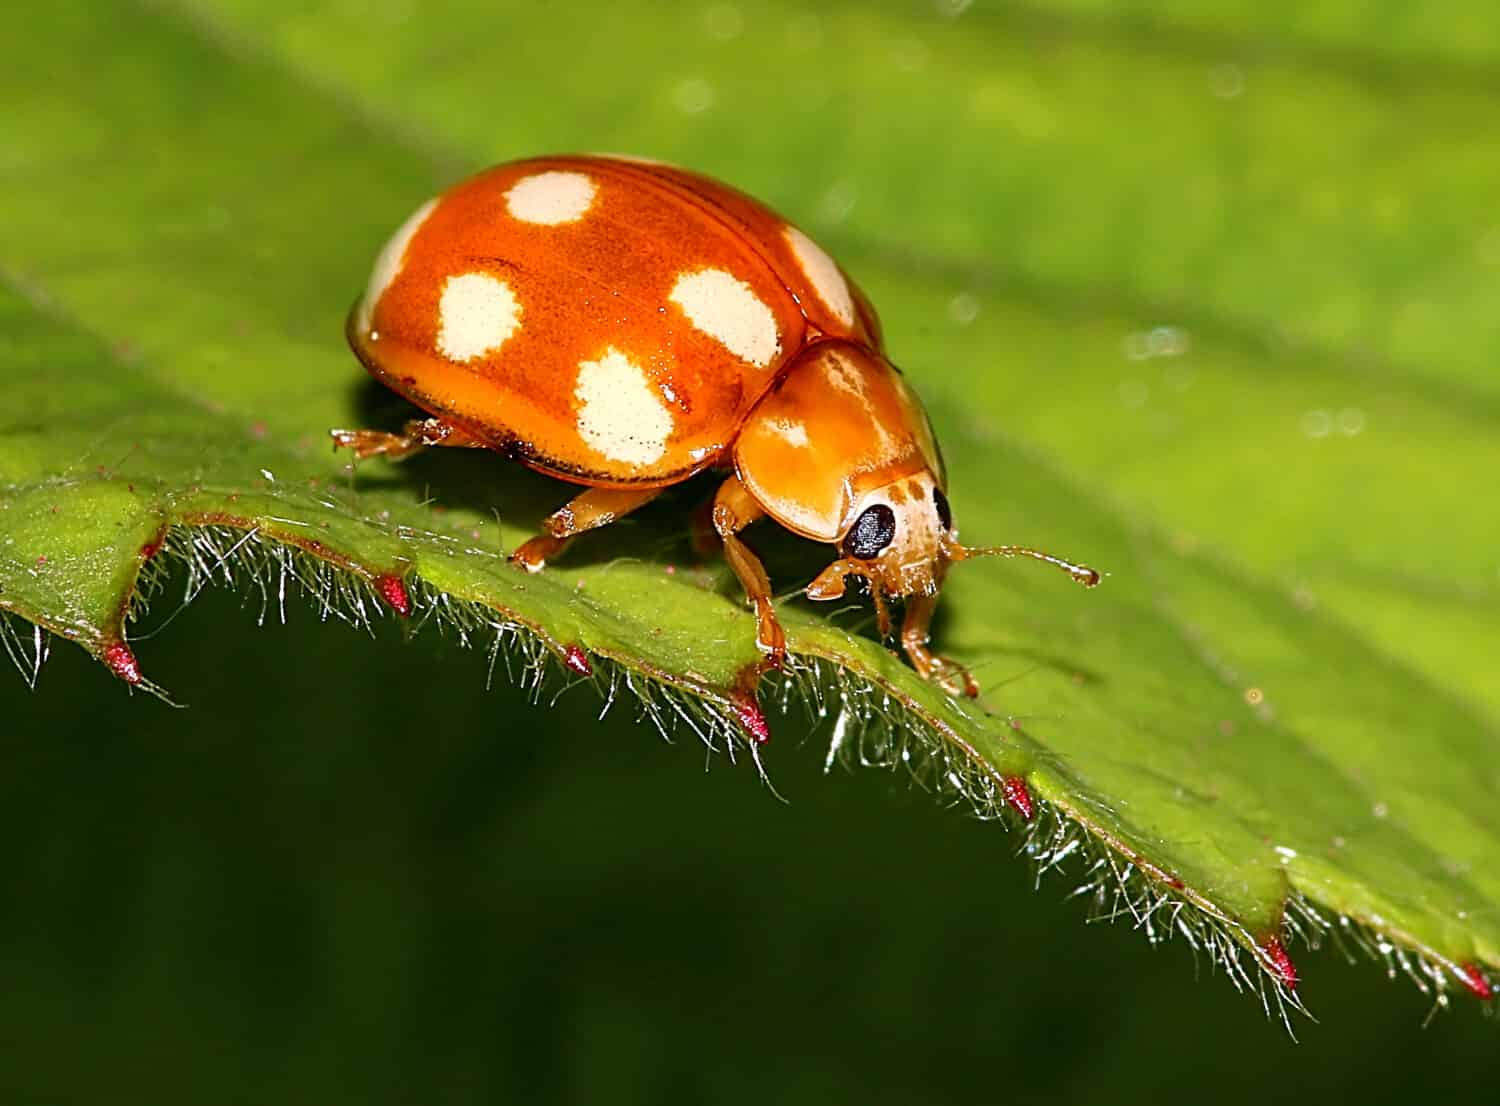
(1214,317)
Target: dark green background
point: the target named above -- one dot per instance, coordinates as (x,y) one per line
(382,884)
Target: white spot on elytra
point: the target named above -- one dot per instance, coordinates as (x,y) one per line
(619,414)
(824,274)
(388,262)
(476,314)
(728,310)
(551,198)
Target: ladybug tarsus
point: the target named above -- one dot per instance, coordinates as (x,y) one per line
(588,510)
(415,436)
(953,677)
(532,555)
(374,443)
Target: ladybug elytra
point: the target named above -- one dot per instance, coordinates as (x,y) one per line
(624,325)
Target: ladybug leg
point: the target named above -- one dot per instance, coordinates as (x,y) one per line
(882,611)
(951,676)
(734,509)
(415,436)
(585,511)
(701,532)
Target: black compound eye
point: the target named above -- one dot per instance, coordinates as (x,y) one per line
(945,512)
(871,533)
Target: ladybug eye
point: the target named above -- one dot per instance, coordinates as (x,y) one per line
(945,512)
(871,533)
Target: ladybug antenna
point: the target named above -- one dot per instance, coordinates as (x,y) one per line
(1085,575)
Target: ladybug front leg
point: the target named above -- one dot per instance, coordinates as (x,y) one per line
(734,509)
(951,676)
(415,436)
(587,511)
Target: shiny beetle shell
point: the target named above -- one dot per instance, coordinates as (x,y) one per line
(606,321)
(623,325)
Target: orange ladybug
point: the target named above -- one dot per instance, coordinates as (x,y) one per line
(623,325)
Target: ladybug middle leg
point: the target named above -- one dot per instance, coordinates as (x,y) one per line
(735,509)
(586,511)
(702,536)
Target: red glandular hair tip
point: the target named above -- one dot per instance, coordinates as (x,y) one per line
(576,660)
(394,592)
(1477,982)
(1280,963)
(1018,795)
(752,721)
(121,661)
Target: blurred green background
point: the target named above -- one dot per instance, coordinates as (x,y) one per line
(383,885)
(372,881)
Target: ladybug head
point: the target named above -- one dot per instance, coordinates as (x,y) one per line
(840,450)
(902,540)
(899,540)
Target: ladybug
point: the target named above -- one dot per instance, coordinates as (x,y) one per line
(623,325)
